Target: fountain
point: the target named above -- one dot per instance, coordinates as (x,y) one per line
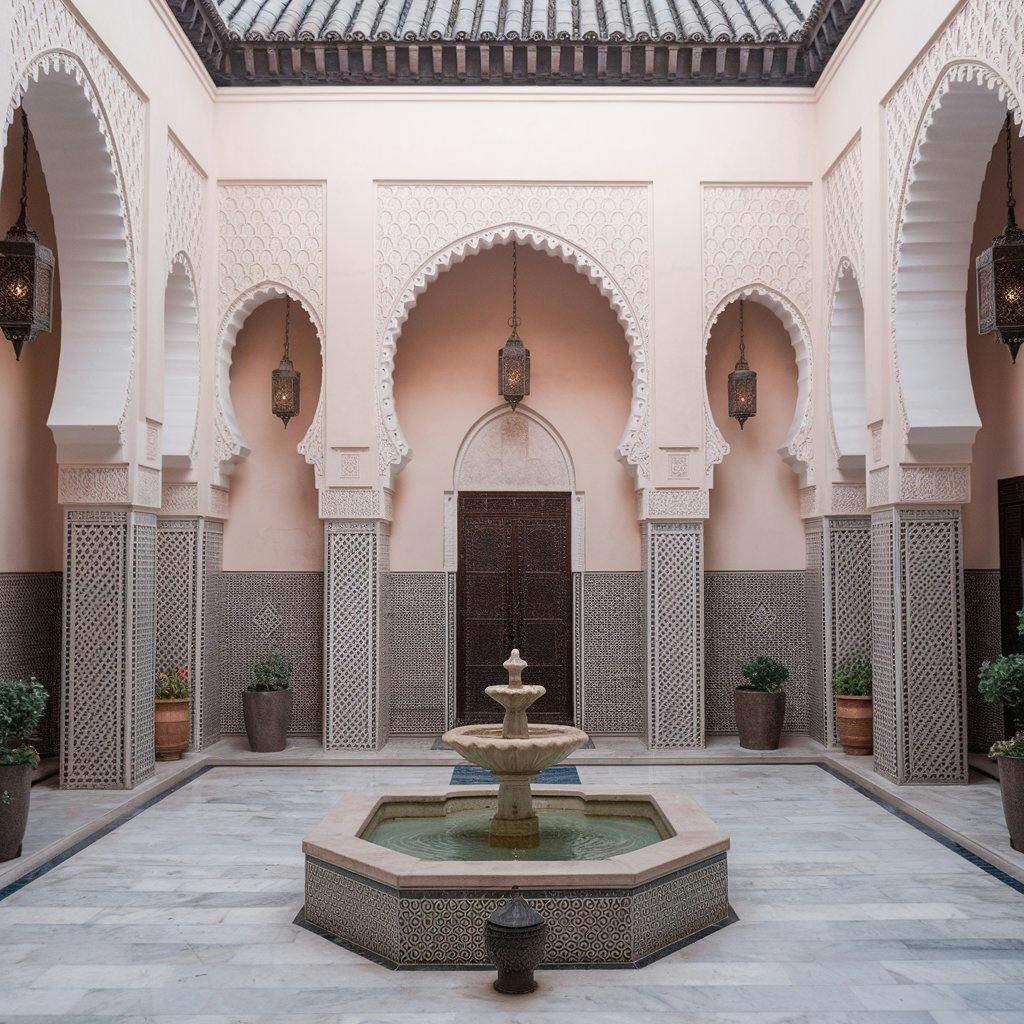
(515,753)
(622,876)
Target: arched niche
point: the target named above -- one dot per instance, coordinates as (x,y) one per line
(796,449)
(633,448)
(932,249)
(230,444)
(181,363)
(97,274)
(847,373)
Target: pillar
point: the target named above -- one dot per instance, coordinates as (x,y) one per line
(108,647)
(838,594)
(917,648)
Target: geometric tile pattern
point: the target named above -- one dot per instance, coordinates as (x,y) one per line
(983,643)
(261,612)
(673,585)
(918,645)
(30,641)
(357,711)
(749,614)
(438,927)
(614,681)
(416,642)
(107,670)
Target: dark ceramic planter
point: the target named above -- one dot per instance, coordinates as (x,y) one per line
(759,717)
(16,781)
(267,714)
(1011,782)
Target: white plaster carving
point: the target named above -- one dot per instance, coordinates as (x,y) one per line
(843,187)
(950,485)
(180,499)
(878,487)
(271,243)
(147,487)
(152,441)
(218,502)
(186,195)
(876,442)
(849,499)
(578,538)
(356,503)
(423,230)
(182,370)
(93,485)
(515,451)
(808,502)
(672,503)
(678,465)
(348,466)
(978,60)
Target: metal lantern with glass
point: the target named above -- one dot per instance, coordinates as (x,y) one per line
(742,384)
(26,272)
(514,356)
(284,381)
(1000,270)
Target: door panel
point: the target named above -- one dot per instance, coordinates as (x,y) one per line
(514,589)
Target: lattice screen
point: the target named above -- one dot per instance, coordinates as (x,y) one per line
(817,656)
(885,682)
(142,588)
(206,724)
(673,583)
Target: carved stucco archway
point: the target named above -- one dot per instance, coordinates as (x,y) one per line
(181,364)
(797,447)
(231,447)
(847,374)
(937,201)
(94,222)
(633,449)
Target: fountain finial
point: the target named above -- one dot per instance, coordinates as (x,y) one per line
(514,667)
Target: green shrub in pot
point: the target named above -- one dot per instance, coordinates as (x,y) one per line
(760,703)
(22,703)
(267,703)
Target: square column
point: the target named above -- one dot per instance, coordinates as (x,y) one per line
(674,594)
(838,594)
(356,698)
(189,614)
(109,648)
(917,645)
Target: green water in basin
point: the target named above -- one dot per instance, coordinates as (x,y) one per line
(564,835)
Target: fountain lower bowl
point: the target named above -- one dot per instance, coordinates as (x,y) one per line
(624,909)
(484,745)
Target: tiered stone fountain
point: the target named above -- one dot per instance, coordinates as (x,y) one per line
(621,876)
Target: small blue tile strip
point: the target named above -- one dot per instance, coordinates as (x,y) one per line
(556,775)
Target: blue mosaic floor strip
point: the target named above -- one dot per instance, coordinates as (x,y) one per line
(557,775)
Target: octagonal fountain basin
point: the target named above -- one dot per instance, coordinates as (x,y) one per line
(622,876)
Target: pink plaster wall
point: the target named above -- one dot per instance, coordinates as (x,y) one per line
(755,502)
(446,379)
(998,385)
(273,523)
(30,538)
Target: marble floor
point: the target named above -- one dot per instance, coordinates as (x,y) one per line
(183,913)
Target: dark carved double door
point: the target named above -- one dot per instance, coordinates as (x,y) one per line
(514,589)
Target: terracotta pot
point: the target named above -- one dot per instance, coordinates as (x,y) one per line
(171,729)
(16,782)
(759,717)
(853,723)
(268,714)
(1011,782)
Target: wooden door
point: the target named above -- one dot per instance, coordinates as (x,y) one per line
(514,589)
(1011,567)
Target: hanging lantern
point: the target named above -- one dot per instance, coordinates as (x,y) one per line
(26,271)
(1000,270)
(514,356)
(742,385)
(284,381)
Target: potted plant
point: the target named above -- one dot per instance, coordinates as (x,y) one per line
(171,713)
(267,704)
(22,702)
(761,704)
(1002,682)
(851,684)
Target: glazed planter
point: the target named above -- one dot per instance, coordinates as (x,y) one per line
(171,729)
(853,724)
(16,781)
(267,713)
(1011,782)
(759,718)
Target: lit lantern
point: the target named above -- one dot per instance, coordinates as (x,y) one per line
(514,356)
(26,272)
(742,385)
(284,381)
(1000,270)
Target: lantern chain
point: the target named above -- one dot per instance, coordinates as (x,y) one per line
(513,320)
(1011,202)
(24,169)
(743,348)
(287,325)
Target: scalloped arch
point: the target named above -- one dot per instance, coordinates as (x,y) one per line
(94,232)
(230,444)
(181,363)
(938,195)
(846,373)
(633,448)
(797,448)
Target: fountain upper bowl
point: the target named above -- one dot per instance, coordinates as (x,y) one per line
(484,745)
